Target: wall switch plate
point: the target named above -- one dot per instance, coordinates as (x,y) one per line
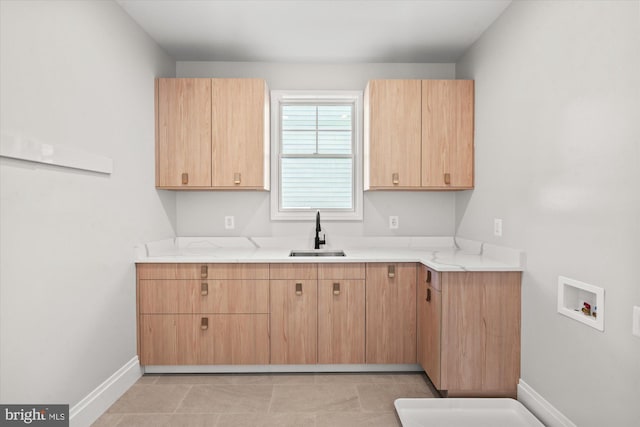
(635,330)
(497,227)
(229,223)
(393,222)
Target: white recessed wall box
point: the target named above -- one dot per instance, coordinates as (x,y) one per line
(581,301)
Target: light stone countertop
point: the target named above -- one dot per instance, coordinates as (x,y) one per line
(438,253)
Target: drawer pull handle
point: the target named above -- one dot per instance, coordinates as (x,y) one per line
(391,271)
(447,178)
(185,178)
(204,289)
(336,289)
(395,178)
(204,323)
(298,289)
(428,276)
(204,272)
(237,178)
(428,294)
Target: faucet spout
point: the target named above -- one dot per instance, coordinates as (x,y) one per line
(319,241)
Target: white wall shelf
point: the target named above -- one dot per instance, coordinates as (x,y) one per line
(581,301)
(21,148)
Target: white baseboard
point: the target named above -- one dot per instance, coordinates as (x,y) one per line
(99,400)
(541,408)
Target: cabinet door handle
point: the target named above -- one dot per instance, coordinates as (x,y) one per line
(185,178)
(428,276)
(237,177)
(204,272)
(391,271)
(336,289)
(204,323)
(395,178)
(428,294)
(447,178)
(204,289)
(298,289)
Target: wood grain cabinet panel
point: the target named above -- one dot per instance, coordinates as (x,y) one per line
(191,314)
(469,333)
(391,313)
(419,135)
(294,316)
(341,321)
(447,134)
(239,133)
(212,134)
(204,296)
(429,301)
(183,133)
(392,134)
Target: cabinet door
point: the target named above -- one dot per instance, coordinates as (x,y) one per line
(393,139)
(391,313)
(341,321)
(429,324)
(447,133)
(183,133)
(480,333)
(203,296)
(240,339)
(294,305)
(239,123)
(172,339)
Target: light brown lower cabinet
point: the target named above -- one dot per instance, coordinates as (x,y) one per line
(341,313)
(469,331)
(203,314)
(390,313)
(204,339)
(293,296)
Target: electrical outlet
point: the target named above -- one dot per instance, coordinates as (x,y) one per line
(635,329)
(393,222)
(229,223)
(497,227)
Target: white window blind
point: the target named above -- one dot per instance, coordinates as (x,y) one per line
(316,156)
(317,153)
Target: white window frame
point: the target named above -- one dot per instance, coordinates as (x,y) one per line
(311,96)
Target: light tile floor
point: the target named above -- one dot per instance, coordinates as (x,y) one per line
(265,400)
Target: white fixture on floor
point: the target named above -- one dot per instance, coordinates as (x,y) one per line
(464,413)
(581,301)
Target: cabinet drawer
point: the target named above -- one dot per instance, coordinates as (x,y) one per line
(293,271)
(204,296)
(341,271)
(222,339)
(203,271)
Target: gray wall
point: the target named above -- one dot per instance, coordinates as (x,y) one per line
(420,213)
(76,74)
(558,158)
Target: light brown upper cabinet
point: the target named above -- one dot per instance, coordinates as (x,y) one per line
(447,134)
(212,134)
(392,134)
(183,133)
(419,135)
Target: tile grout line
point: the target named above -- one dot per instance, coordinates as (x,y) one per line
(183,399)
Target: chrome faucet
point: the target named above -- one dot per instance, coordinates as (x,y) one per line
(319,242)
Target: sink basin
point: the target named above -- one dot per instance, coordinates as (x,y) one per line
(317,252)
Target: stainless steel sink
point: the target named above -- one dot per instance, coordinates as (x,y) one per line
(311,253)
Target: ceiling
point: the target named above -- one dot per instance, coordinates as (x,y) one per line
(315,31)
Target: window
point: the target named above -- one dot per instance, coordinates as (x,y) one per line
(316,155)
